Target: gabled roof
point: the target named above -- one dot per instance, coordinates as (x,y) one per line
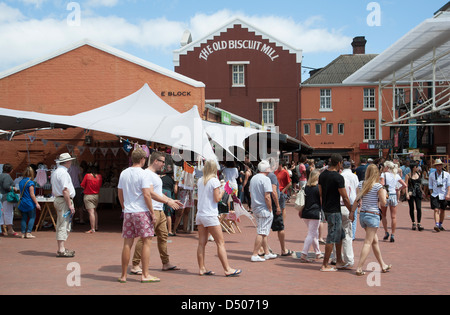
(237,20)
(110,50)
(339,69)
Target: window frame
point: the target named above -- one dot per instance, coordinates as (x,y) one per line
(268,110)
(369,100)
(370,132)
(305,127)
(326,100)
(320,127)
(238,71)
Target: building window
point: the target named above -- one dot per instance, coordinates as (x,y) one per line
(238,72)
(369,129)
(306,129)
(341,129)
(318,129)
(369,98)
(330,129)
(268,113)
(325,100)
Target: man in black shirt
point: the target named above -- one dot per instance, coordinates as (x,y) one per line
(361,170)
(332,188)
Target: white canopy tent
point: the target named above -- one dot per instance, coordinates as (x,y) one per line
(141,115)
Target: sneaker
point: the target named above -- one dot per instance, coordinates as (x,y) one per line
(270,256)
(436,228)
(257,258)
(441,228)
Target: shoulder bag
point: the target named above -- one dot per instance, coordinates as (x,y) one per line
(300,200)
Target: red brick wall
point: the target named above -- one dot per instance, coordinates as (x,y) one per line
(347,105)
(265,78)
(77,81)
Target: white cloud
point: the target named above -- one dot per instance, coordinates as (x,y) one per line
(307,35)
(36,3)
(24,39)
(8,14)
(102,3)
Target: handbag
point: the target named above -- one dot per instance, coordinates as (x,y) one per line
(300,200)
(12,196)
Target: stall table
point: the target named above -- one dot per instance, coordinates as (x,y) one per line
(46,211)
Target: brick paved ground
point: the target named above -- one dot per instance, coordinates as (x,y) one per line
(420,263)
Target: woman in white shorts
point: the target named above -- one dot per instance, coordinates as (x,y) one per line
(391,180)
(209,194)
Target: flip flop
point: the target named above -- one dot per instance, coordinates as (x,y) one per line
(151,280)
(289,253)
(208,273)
(235,273)
(389,267)
(171,268)
(121,281)
(332,269)
(360,273)
(137,273)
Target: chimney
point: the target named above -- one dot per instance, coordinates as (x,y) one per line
(359,45)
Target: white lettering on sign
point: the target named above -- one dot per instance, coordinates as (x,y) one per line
(238,44)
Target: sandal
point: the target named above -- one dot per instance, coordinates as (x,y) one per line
(360,273)
(151,280)
(304,259)
(389,267)
(289,253)
(67,253)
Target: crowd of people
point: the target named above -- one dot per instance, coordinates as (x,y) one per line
(336,194)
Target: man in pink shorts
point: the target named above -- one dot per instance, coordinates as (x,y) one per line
(134,195)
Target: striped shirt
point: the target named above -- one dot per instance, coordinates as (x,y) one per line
(370,200)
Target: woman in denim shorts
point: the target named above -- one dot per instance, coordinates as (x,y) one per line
(390,180)
(370,192)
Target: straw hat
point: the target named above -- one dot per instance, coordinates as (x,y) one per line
(64,158)
(438,162)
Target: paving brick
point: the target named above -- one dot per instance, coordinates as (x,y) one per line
(420,263)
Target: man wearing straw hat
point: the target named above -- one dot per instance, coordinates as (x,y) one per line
(64,192)
(439,183)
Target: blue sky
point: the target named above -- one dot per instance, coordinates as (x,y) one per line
(151,30)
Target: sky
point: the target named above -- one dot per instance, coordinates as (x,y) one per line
(152,29)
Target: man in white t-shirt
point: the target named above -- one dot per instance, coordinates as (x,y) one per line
(64,192)
(139,218)
(156,164)
(260,192)
(351,185)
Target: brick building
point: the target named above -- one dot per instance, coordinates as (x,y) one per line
(76,79)
(248,73)
(341,118)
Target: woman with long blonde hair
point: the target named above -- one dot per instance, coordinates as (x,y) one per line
(391,180)
(28,203)
(209,194)
(370,194)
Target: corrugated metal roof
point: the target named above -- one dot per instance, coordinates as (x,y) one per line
(340,69)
